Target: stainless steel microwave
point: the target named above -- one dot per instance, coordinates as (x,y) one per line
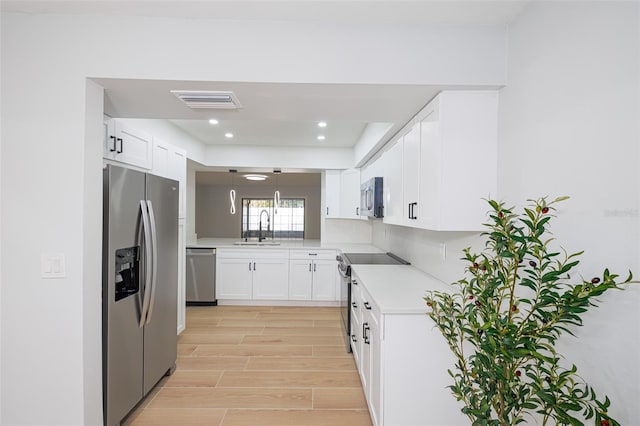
(371,198)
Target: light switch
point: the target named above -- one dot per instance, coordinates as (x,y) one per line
(52,265)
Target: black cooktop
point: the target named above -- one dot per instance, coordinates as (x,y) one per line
(374,259)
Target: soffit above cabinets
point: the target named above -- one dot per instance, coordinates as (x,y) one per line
(271,114)
(387,12)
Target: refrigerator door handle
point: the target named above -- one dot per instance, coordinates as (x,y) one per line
(154,263)
(147,263)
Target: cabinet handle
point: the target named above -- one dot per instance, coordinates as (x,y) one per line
(357,211)
(367,306)
(313,254)
(121,147)
(354,304)
(314,267)
(353,338)
(114,143)
(309,267)
(327,211)
(254,266)
(411,212)
(365,329)
(249,265)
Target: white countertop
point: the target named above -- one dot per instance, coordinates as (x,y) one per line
(397,289)
(284,244)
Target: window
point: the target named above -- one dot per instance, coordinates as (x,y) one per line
(287,223)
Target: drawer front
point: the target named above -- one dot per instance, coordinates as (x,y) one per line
(261,253)
(313,254)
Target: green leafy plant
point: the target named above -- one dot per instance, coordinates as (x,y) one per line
(503,321)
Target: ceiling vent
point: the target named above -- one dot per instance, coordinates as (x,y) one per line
(198,99)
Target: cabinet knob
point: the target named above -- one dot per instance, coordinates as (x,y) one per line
(367,305)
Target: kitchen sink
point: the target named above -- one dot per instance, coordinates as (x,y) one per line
(256,243)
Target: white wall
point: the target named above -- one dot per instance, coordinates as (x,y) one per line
(290,157)
(48,356)
(569,125)
(212,207)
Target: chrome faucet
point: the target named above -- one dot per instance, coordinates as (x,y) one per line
(260,236)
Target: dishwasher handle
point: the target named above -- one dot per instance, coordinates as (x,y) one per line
(200,252)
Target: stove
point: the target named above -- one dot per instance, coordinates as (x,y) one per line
(344,267)
(373,259)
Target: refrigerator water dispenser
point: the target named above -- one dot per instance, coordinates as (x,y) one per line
(127,272)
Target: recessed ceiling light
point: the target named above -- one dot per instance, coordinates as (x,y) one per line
(213,121)
(322,124)
(321,137)
(228,135)
(255,177)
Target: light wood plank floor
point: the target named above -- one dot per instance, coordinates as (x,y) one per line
(255,365)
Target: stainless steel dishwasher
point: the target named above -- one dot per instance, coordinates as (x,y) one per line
(201,276)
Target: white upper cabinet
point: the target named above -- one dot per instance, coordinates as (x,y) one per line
(332,193)
(350,194)
(392,184)
(439,173)
(126,144)
(458,160)
(342,194)
(171,162)
(411,176)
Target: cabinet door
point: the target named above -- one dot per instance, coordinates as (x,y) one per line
(271,279)
(177,169)
(375,389)
(356,325)
(332,193)
(324,275)
(132,146)
(181,276)
(234,278)
(430,165)
(411,176)
(300,279)
(161,153)
(393,196)
(350,194)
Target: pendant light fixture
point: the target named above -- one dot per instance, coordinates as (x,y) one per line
(276,194)
(232,194)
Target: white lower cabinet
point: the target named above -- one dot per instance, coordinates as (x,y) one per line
(252,274)
(402,361)
(270,279)
(312,275)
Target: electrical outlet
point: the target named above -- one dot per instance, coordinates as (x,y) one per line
(443,251)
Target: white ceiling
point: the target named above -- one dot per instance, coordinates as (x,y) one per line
(281,114)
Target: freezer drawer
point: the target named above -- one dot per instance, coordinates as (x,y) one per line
(201,276)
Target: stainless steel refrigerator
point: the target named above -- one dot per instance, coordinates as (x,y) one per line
(139,286)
